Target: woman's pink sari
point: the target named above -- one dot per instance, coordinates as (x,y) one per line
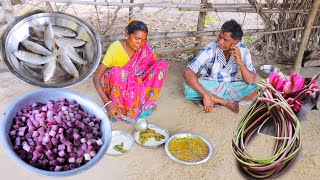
(135,87)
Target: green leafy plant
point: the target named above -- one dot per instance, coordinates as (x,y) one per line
(210,19)
(247,40)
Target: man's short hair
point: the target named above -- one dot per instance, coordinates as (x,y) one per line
(234,28)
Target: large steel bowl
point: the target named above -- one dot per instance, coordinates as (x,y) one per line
(183,135)
(43,95)
(32,75)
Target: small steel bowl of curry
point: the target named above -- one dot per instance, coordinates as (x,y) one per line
(189,149)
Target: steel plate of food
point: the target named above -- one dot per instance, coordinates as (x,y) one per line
(189,148)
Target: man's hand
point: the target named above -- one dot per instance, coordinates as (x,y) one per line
(192,80)
(235,51)
(247,75)
(208,103)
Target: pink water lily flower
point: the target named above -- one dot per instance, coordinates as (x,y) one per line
(287,88)
(276,81)
(280,84)
(273,78)
(294,83)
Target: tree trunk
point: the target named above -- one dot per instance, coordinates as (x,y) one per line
(130,10)
(305,35)
(200,26)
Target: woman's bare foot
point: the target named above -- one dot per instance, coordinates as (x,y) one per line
(154,108)
(233,106)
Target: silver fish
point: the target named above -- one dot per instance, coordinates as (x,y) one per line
(34,66)
(48,37)
(59,31)
(67,65)
(49,69)
(70,51)
(38,32)
(63,31)
(37,39)
(33,58)
(36,48)
(75,42)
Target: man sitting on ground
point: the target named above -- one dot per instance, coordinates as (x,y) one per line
(218,63)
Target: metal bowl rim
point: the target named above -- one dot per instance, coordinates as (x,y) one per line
(267,66)
(188,134)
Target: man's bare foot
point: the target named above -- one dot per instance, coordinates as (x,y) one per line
(233,106)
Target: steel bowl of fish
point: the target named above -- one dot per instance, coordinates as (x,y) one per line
(154,137)
(189,149)
(51,50)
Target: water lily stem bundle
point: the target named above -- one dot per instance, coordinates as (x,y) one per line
(269,106)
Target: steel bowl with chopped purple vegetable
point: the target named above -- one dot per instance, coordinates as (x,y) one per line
(55,132)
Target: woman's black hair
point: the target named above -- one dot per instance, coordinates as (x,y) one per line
(137,26)
(234,28)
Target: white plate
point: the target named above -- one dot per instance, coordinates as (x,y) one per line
(152,143)
(119,137)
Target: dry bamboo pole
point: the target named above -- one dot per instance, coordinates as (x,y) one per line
(174,49)
(200,26)
(181,34)
(305,35)
(127,5)
(164,35)
(8,11)
(179,46)
(131,10)
(160,4)
(240,9)
(244,7)
(264,17)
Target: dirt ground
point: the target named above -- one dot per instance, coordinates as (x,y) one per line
(177,115)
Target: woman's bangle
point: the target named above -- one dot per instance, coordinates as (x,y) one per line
(106,104)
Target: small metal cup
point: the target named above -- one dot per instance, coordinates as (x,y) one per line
(141,124)
(265,70)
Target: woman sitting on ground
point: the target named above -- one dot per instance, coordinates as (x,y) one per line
(134,78)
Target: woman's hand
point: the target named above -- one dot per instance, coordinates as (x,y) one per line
(113,111)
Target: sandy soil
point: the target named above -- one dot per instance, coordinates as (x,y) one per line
(177,115)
